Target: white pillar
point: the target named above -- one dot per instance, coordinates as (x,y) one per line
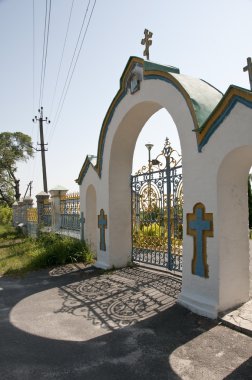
(56,194)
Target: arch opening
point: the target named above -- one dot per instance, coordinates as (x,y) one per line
(120,170)
(235,264)
(156,129)
(91,219)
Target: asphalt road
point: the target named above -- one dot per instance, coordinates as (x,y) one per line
(75,323)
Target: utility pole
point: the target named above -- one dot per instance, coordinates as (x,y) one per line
(42,145)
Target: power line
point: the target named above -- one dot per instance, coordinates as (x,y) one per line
(33,61)
(43,55)
(72,60)
(33,55)
(45,48)
(61,60)
(48,29)
(67,85)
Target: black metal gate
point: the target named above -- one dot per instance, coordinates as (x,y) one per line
(157,211)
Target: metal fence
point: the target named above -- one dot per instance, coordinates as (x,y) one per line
(47,213)
(32,221)
(58,214)
(70,212)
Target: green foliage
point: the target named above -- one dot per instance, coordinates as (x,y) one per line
(48,250)
(154,229)
(155,236)
(59,250)
(14,147)
(8,232)
(5,215)
(150,236)
(154,214)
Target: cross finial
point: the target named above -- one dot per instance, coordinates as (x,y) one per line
(249,69)
(147,42)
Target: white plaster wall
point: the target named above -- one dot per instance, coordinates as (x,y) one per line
(231,147)
(91,219)
(200,294)
(222,171)
(92,179)
(233,228)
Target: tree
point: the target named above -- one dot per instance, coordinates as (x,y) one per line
(14,147)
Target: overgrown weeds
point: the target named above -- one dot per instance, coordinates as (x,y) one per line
(23,255)
(8,232)
(59,250)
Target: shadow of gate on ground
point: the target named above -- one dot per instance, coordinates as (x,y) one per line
(121,297)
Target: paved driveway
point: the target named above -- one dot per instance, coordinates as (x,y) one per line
(75,323)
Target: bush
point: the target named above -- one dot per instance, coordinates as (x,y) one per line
(22,255)
(5,215)
(9,232)
(59,250)
(154,236)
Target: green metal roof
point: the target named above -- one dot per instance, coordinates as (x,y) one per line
(204,97)
(155,66)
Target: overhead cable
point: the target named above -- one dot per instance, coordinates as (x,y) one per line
(72,60)
(45,48)
(61,60)
(33,61)
(72,67)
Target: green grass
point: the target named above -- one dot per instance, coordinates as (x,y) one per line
(9,232)
(19,255)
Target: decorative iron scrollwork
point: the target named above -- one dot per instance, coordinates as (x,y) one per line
(149,196)
(168,156)
(157,210)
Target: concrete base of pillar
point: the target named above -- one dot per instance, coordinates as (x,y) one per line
(102,265)
(199,306)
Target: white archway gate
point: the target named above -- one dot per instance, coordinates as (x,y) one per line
(210,126)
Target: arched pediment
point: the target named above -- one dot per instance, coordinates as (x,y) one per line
(208,107)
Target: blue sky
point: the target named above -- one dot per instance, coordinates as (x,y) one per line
(205,39)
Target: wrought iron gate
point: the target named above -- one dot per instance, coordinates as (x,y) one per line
(157,211)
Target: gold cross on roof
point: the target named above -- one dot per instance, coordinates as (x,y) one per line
(147,42)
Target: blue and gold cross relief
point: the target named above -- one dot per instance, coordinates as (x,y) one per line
(200,226)
(102,224)
(82,222)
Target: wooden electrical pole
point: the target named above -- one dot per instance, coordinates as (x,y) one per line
(42,145)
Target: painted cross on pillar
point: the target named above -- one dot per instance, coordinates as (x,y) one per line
(82,222)
(200,226)
(102,224)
